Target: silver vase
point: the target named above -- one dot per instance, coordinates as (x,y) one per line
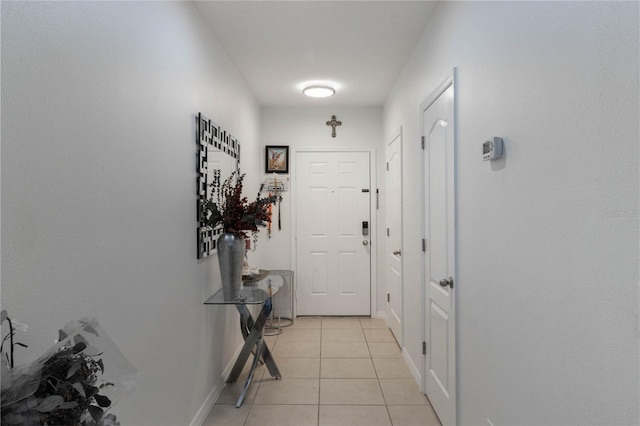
(231,249)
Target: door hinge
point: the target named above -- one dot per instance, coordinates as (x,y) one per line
(387,166)
(387,232)
(424,348)
(388,297)
(423,142)
(424,244)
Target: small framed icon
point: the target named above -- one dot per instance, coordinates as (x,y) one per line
(276,159)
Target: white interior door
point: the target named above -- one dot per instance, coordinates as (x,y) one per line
(333,256)
(394,236)
(439,273)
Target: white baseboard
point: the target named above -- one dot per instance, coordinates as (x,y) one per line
(215,392)
(413,369)
(381,315)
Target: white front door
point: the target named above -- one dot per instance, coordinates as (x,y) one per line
(439,262)
(333,226)
(394,236)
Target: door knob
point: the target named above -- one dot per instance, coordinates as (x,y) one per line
(446,282)
(365,242)
(397,253)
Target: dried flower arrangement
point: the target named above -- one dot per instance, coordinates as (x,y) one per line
(227,207)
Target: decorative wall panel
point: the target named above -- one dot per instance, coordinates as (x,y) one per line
(218,155)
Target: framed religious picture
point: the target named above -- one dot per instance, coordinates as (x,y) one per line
(276,159)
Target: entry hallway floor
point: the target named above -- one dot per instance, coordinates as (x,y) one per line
(335,371)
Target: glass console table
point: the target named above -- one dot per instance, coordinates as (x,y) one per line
(255,293)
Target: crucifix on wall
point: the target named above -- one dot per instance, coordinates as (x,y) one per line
(333,123)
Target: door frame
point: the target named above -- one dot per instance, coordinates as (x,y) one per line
(373,228)
(397,135)
(450,80)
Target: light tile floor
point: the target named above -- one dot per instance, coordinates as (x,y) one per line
(335,372)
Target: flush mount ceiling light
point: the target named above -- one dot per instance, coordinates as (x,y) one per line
(319,91)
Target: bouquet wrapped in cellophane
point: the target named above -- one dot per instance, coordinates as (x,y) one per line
(76,382)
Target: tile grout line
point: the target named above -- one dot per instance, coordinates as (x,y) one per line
(386,406)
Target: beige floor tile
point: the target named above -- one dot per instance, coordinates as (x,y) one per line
(373,323)
(338,322)
(287,392)
(345,350)
(293,349)
(342,335)
(307,322)
(351,366)
(354,415)
(227,415)
(300,335)
(347,368)
(413,415)
(385,350)
(350,392)
(283,415)
(299,368)
(391,368)
(402,392)
(379,335)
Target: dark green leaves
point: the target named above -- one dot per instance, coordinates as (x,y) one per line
(96,413)
(102,401)
(64,387)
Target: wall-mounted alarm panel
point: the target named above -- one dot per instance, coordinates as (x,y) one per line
(492,149)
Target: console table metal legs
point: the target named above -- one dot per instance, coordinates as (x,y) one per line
(253,341)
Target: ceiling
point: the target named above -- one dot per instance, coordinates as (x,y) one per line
(277,46)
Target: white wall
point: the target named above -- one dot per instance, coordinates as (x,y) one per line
(306,128)
(547,236)
(98,188)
